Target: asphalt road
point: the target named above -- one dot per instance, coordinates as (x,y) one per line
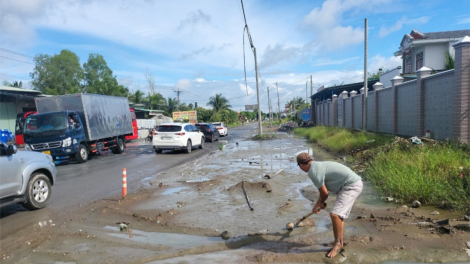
(101,178)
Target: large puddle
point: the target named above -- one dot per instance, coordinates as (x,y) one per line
(171,240)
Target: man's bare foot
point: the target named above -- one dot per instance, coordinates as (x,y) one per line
(334,251)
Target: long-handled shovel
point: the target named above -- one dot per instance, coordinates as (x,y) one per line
(290,226)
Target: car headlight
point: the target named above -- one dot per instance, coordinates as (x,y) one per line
(67,142)
(27,147)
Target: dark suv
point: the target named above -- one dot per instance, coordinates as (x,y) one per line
(209,130)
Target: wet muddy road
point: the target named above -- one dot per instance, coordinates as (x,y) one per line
(198,213)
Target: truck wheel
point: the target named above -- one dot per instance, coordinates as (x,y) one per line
(202,143)
(189,147)
(119,149)
(39,191)
(158,151)
(82,154)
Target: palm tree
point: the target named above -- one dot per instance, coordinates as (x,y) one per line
(218,102)
(138,97)
(155,101)
(172,105)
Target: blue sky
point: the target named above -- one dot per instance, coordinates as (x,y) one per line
(197,46)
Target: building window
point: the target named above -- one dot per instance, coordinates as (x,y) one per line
(419,60)
(408,64)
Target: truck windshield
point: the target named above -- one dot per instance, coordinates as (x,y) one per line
(43,123)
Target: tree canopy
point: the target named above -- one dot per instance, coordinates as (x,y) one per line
(218,102)
(58,74)
(99,77)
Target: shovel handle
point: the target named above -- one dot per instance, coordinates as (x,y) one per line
(307,215)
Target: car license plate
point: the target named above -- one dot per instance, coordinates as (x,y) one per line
(48,152)
(166,138)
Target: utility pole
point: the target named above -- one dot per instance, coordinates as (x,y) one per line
(178,91)
(256,72)
(269,104)
(364,109)
(278,105)
(306,96)
(311,86)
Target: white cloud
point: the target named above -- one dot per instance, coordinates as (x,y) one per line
(379,62)
(384,31)
(278,54)
(16,18)
(464,20)
(184,84)
(324,62)
(325,23)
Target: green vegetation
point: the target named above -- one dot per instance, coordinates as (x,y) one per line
(264,136)
(342,140)
(220,146)
(432,172)
(449,62)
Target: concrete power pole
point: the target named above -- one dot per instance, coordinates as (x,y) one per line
(364,111)
(178,91)
(269,104)
(278,105)
(306,96)
(311,86)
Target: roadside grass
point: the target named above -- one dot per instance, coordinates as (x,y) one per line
(433,173)
(264,136)
(342,140)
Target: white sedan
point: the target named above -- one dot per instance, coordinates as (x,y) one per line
(222,127)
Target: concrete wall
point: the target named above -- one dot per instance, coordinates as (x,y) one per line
(438,103)
(436,114)
(348,113)
(357,101)
(407,108)
(371,111)
(384,112)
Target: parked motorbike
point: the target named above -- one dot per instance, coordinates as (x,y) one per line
(149,137)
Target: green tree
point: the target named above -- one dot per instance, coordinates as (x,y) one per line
(13,84)
(203,115)
(58,74)
(226,115)
(218,102)
(99,77)
(296,103)
(190,106)
(156,101)
(136,97)
(171,106)
(448,61)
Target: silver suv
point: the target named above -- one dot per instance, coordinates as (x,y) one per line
(175,136)
(27,177)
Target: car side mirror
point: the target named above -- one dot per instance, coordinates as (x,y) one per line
(11,150)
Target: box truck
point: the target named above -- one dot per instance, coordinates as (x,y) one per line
(77,125)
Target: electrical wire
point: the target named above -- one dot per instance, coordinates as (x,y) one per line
(16,53)
(14,77)
(17,60)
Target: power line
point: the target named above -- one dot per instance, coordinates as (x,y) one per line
(14,77)
(16,53)
(17,60)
